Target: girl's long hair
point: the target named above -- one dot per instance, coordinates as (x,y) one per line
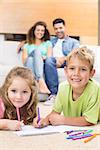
(28,111)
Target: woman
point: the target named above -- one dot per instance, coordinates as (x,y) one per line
(37,48)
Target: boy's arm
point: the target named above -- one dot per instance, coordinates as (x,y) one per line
(57,119)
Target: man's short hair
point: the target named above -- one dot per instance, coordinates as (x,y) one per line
(58,20)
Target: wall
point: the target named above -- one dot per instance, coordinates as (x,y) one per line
(81,16)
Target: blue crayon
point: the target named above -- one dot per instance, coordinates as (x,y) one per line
(75,137)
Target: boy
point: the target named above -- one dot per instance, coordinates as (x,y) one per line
(79,100)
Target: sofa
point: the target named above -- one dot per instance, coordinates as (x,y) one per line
(9,58)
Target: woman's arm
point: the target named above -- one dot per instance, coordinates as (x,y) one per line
(24,55)
(20,45)
(50,52)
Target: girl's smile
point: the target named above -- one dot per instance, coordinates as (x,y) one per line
(19,92)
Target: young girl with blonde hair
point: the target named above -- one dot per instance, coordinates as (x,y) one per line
(19,91)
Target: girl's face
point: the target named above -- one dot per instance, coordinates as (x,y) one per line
(78,73)
(39,31)
(19,92)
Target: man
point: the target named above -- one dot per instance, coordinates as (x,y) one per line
(62,45)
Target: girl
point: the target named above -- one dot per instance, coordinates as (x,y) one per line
(18,92)
(37,48)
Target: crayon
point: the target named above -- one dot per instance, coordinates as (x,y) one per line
(90,138)
(77,133)
(68,132)
(88,131)
(18,113)
(81,137)
(38,114)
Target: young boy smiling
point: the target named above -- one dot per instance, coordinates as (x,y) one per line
(79,99)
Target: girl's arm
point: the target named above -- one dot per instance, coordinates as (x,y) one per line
(7,124)
(24,55)
(58,119)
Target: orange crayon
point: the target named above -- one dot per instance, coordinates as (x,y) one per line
(90,138)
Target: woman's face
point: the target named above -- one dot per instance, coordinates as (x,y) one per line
(39,31)
(19,92)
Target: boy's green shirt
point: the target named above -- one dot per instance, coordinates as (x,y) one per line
(87,105)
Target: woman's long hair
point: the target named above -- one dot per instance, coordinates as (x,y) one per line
(31,35)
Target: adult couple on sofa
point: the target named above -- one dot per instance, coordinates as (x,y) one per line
(62,44)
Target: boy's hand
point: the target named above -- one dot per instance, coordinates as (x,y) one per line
(56,119)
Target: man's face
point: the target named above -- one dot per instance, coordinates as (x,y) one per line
(59,29)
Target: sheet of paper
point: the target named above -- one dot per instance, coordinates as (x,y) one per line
(30,130)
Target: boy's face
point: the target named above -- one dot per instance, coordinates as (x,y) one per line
(78,73)
(59,29)
(19,92)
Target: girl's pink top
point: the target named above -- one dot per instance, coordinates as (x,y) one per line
(2,109)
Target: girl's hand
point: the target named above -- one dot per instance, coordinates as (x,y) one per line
(13,124)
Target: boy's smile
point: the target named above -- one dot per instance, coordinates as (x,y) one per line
(78,73)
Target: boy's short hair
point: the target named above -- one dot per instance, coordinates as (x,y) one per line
(58,20)
(83,53)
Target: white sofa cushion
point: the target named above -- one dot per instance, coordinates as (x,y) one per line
(9,58)
(8,55)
